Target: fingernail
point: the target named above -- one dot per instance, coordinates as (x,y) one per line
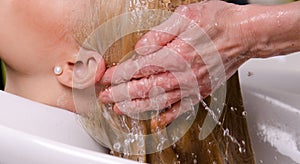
(105,80)
(117,110)
(142,49)
(104,97)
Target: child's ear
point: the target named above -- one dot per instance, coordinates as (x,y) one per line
(84,72)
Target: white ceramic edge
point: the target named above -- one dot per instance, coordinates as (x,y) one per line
(18,147)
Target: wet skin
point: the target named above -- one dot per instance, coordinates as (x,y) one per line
(227,32)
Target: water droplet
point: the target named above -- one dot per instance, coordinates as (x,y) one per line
(174,146)
(241,150)
(190,116)
(231,108)
(243,142)
(226,132)
(226,159)
(141,143)
(250,73)
(141,159)
(127,142)
(275,158)
(131,137)
(195,161)
(126,154)
(175,138)
(106,115)
(207,108)
(199,127)
(159,147)
(117,146)
(244,113)
(208,150)
(163,139)
(141,152)
(219,110)
(261,161)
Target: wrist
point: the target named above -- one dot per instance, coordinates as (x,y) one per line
(273,30)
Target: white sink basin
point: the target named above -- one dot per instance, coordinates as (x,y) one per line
(271,93)
(33,133)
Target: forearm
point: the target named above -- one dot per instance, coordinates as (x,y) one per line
(275,30)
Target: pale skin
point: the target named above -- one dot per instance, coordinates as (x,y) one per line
(36,36)
(237,33)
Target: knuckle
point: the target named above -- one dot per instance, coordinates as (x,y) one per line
(180,8)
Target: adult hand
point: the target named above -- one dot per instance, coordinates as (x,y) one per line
(188,56)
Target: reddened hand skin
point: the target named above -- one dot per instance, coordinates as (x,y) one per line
(205,43)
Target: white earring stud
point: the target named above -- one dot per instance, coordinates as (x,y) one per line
(57,70)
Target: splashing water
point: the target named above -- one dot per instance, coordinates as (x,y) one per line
(226,132)
(134,133)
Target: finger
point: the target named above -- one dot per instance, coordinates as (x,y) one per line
(144,72)
(172,113)
(139,89)
(162,34)
(166,59)
(152,104)
(106,78)
(153,86)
